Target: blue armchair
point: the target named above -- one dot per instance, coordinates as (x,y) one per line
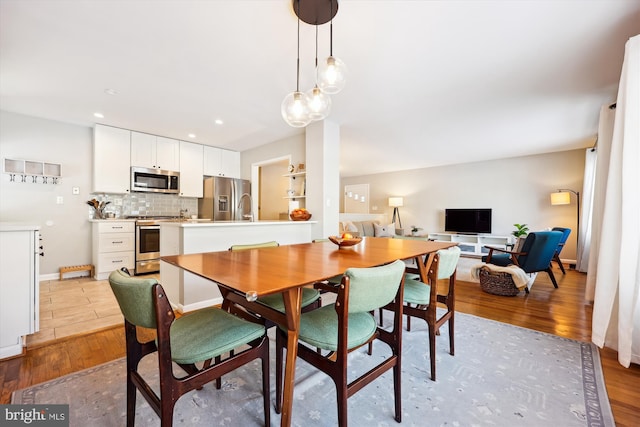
(565,234)
(535,255)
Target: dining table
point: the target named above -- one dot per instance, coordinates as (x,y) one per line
(244,276)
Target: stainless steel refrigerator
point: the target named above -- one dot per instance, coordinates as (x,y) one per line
(225,199)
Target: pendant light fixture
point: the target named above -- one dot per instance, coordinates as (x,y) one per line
(319,102)
(298,108)
(332,72)
(295,107)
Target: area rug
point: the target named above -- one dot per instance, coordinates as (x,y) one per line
(463,271)
(501,375)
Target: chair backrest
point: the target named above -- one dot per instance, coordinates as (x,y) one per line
(373,287)
(565,235)
(135,298)
(448,261)
(539,248)
(254,246)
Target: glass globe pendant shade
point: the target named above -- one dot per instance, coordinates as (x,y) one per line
(319,104)
(295,109)
(332,75)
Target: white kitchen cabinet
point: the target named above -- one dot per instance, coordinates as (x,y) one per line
(156,152)
(191,169)
(220,162)
(111,160)
(114,244)
(19,286)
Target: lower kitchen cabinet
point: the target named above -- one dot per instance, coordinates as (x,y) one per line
(19,286)
(113,246)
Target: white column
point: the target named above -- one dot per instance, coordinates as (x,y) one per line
(323,176)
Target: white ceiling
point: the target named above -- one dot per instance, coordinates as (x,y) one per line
(430,82)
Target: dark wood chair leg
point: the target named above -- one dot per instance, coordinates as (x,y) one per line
(280,343)
(266,386)
(342,395)
(432,351)
(552,277)
(397,389)
(557,260)
(131,401)
(452,350)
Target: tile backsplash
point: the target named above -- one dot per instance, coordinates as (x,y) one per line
(147,204)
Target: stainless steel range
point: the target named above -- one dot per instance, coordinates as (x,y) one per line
(147,246)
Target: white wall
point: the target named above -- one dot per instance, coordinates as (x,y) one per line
(66,233)
(294,147)
(517,190)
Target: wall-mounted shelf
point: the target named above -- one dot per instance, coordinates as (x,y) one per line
(294,175)
(27,168)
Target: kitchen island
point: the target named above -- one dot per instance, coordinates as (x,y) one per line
(189,292)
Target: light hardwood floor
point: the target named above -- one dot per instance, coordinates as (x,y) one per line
(75,306)
(560,311)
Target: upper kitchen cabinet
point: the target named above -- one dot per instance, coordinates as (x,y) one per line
(219,162)
(111,160)
(156,152)
(191,169)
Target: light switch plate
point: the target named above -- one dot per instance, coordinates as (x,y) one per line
(75,190)
(59,200)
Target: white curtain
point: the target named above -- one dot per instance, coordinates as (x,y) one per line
(616,310)
(584,244)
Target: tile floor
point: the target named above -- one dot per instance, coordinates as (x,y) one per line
(74,306)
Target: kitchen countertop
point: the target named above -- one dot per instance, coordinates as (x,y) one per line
(112,219)
(208,223)
(17,226)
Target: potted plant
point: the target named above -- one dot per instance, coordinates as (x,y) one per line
(521,230)
(414,230)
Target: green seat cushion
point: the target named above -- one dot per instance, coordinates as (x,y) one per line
(416,292)
(208,333)
(319,328)
(411,276)
(275,301)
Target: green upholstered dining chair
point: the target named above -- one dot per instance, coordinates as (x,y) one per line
(195,337)
(422,299)
(310,297)
(346,325)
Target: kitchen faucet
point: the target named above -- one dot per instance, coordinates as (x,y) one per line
(250,214)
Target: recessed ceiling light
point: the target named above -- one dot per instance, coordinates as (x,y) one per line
(219,122)
(99,115)
(111,91)
(192,135)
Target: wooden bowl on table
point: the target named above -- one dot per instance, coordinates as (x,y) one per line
(298,215)
(344,243)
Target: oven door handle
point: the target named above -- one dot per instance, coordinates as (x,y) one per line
(149,227)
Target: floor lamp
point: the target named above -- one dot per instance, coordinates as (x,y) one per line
(395,203)
(563,197)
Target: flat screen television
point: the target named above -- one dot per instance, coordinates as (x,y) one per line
(467,220)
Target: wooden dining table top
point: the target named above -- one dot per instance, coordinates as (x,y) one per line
(276,269)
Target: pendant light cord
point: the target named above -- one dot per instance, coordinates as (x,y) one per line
(298,57)
(331,31)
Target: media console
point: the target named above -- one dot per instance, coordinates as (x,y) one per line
(472,244)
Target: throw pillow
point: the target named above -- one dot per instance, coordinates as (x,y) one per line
(349,226)
(384,230)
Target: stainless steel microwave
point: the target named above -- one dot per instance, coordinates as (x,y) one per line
(154,180)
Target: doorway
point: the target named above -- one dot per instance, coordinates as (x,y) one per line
(271,187)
